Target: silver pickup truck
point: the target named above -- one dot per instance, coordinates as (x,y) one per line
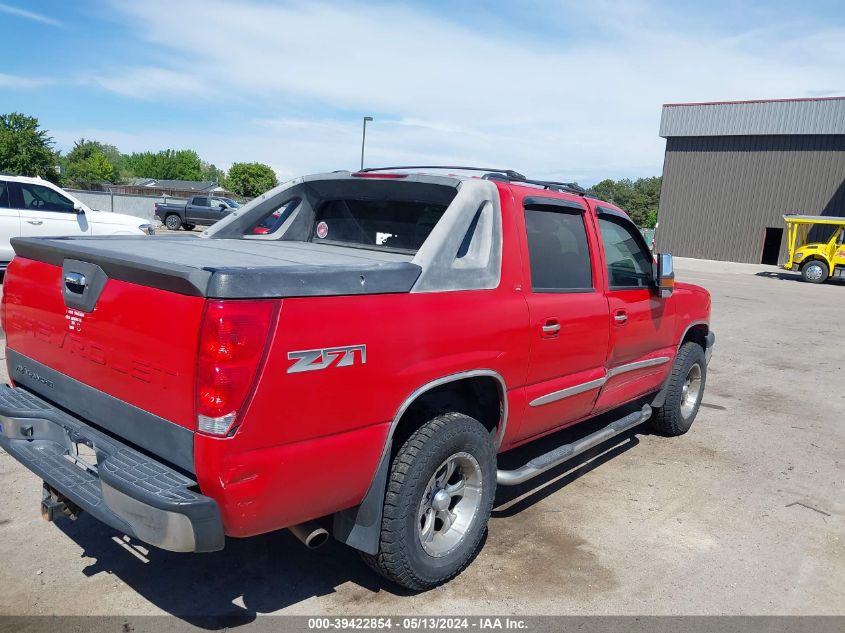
(203,210)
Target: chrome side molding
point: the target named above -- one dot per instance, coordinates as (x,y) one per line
(554,396)
(640,364)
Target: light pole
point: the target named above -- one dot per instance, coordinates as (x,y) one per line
(364,138)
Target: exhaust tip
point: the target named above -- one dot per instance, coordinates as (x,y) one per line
(310,534)
(316,539)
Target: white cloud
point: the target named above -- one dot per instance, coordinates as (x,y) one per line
(153,84)
(580,103)
(16,81)
(28,15)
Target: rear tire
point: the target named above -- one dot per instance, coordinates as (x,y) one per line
(439,497)
(173,222)
(814,271)
(683,392)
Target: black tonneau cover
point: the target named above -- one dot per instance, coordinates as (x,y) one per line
(232,268)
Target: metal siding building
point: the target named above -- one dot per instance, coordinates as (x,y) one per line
(733,169)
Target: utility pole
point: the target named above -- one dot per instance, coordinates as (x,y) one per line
(364,138)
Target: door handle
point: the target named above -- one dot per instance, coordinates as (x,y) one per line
(76,282)
(551,328)
(620,316)
(36,222)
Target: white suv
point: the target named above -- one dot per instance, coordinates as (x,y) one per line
(32,207)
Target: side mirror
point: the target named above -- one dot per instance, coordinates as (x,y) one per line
(222,207)
(77,208)
(665,277)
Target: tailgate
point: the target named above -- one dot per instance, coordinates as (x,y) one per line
(126,362)
(120,348)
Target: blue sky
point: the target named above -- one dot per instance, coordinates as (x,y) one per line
(568,90)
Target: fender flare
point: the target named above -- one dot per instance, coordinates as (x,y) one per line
(360,526)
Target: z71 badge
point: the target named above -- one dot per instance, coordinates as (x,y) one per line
(314,359)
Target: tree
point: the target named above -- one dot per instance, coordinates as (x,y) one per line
(166,165)
(26,150)
(90,163)
(251,179)
(639,198)
(212,173)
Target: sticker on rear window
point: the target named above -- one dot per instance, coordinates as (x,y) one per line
(322,230)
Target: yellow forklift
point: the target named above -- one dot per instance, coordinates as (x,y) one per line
(816,246)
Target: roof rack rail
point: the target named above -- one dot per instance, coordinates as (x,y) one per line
(565,187)
(510,173)
(491,173)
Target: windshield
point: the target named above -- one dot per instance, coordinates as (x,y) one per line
(227,201)
(821,233)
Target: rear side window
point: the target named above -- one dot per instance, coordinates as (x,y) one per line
(629,265)
(201,202)
(380,224)
(4,195)
(558,250)
(274,220)
(40,198)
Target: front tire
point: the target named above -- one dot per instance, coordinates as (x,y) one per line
(173,222)
(438,501)
(814,271)
(683,392)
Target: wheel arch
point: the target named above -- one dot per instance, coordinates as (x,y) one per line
(696,331)
(359,527)
(456,386)
(817,257)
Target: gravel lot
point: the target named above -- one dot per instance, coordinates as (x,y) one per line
(743,515)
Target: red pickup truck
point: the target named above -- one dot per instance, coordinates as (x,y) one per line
(345,355)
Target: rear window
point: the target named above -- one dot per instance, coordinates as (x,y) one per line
(378,224)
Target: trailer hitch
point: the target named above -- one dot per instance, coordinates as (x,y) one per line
(54,505)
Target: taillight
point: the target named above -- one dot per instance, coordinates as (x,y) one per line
(233,341)
(3,313)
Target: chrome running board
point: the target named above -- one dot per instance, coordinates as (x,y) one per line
(566,452)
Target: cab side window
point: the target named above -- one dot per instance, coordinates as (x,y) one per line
(558,250)
(40,198)
(4,195)
(629,264)
(201,202)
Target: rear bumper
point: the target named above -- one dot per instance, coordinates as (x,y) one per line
(125,489)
